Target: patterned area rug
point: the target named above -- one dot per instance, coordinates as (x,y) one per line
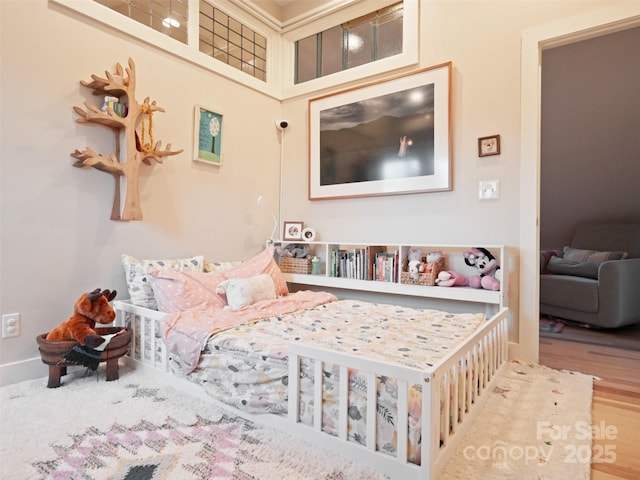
(536,426)
(133,429)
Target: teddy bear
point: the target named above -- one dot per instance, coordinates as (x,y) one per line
(487,265)
(91,308)
(414,254)
(432,258)
(448,278)
(416,267)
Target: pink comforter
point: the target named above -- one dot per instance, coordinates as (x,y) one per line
(186,333)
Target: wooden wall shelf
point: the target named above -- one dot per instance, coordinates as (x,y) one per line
(122,85)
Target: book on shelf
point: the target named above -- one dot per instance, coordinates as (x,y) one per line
(386,267)
(364,263)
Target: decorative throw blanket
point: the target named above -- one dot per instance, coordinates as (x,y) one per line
(186,333)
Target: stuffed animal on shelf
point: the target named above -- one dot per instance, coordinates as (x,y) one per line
(487,265)
(448,278)
(295,250)
(89,309)
(432,258)
(414,254)
(416,267)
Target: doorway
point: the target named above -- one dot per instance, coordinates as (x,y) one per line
(534,41)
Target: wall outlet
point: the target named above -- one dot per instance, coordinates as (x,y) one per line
(489,190)
(10,325)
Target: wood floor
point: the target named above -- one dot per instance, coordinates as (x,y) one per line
(616,402)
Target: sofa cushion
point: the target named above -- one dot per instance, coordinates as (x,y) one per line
(562,266)
(591,256)
(575,293)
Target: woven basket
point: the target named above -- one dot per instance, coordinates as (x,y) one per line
(295,265)
(426,279)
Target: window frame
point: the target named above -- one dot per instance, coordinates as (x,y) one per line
(281,38)
(408,57)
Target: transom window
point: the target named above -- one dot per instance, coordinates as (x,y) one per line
(165,16)
(357,42)
(220,36)
(231,42)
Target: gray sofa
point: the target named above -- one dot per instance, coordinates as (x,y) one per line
(596,279)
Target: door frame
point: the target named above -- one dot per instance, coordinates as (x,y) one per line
(589,25)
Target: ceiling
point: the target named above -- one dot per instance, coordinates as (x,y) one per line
(285,10)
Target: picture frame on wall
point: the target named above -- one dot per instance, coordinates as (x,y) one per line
(208,135)
(292,231)
(398,133)
(488,146)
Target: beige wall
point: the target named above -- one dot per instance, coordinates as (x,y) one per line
(56,238)
(590,144)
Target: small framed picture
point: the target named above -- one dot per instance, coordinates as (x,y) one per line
(292,231)
(489,146)
(207,136)
(308,234)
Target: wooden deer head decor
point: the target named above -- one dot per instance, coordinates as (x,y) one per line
(122,113)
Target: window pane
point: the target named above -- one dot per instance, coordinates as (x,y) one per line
(206,23)
(359,45)
(235,62)
(356,42)
(235,25)
(306,59)
(332,50)
(153,13)
(206,48)
(179,34)
(261,64)
(389,41)
(206,8)
(247,46)
(220,43)
(235,38)
(220,17)
(221,30)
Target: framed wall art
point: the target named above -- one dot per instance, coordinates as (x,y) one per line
(489,146)
(384,138)
(292,231)
(207,142)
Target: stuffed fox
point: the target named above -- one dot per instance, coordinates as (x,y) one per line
(90,308)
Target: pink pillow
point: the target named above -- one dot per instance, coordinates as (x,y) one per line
(176,291)
(261,263)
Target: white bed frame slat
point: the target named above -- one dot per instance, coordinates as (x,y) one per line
(460,381)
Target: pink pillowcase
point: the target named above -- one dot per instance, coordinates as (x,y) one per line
(261,263)
(176,291)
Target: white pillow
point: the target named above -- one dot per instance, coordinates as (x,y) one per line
(242,292)
(137,275)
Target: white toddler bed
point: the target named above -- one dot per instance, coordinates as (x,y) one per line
(453,387)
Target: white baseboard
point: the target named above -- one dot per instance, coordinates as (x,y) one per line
(24,370)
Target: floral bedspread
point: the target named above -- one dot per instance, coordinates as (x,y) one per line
(246,366)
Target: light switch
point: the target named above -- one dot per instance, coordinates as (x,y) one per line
(489,190)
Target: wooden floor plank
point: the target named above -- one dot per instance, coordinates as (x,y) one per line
(616,394)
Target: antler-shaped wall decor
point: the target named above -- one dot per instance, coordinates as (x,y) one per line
(121,84)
